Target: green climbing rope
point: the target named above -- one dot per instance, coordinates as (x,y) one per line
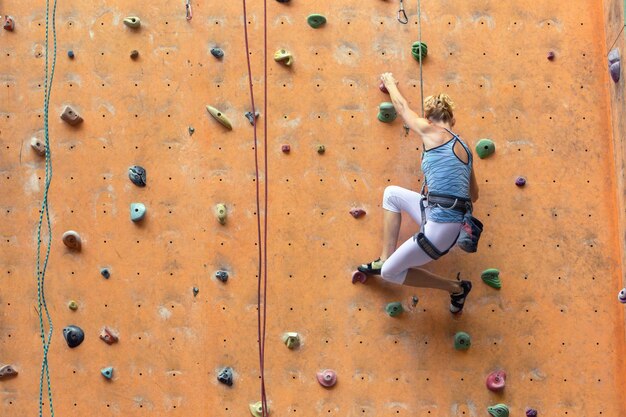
(41,269)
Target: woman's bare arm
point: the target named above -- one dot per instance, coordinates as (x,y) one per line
(412,119)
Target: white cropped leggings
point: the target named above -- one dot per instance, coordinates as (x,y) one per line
(409,254)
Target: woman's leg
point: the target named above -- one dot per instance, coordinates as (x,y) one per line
(395,200)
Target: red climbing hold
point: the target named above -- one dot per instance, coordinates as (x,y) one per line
(108,336)
(496,381)
(9,23)
(285,148)
(383,88)
(356,213)
(551,56)
(358,276)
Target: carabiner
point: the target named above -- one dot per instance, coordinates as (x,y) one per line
(402,17)
(188,9)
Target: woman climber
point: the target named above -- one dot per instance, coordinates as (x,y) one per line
(451,187)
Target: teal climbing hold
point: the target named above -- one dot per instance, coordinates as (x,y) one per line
(137,211)
(419,50)
(386,112)
(107,372)
(394,309)
(491,277)
(498,410)
(462,341)
(316,20)
(485,147)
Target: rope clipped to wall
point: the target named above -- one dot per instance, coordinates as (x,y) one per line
(42,306)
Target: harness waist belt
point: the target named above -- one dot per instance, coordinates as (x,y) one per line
(448,202)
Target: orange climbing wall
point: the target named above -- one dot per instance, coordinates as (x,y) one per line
(555,327)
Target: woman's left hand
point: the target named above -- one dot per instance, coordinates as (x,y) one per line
(388,79)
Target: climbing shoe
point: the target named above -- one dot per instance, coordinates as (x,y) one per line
(458,300)
(372,268)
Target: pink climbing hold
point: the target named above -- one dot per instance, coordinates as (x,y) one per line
(551,56)
(285,148)
(327,378)
(356,213)
(383,88)
(496,381)
(358,276)
(108,336)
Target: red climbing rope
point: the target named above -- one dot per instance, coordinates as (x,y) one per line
(262,265)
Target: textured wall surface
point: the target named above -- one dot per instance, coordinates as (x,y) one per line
(555,326)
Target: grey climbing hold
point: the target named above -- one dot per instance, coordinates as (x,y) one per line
(217,53)
(283,56)
(132,22)
(134,54)
(38,146)
(107,372)
(105,273)
(220,117)
(70,117)
(394,309)
(485,147)
(108,336)
(137,211)
(251,118)
(614,64)
(256,409)
(7,371)
(70,54)
(316,20)
(462,341)
(222,276)
(195,290)
(291,339)
(137,175)
(226,376)
(73,335)
(72,305)
(321,149)
(191,130)
(386,112)
(498,410)
(72,240)
(221,213)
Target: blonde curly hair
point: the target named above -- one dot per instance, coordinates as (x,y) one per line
(439,108)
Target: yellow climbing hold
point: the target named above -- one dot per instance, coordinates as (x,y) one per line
(132,22)
(256,409)
(220,117)
(283,56)
(220,213)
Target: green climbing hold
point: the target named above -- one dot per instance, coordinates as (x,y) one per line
(491,277)
(386,112)
(132,22)
(499,410)
(137,211)
(485,147)
(72,305)
(462,341)
(220,213)
(283,56)
(256,409)
(220,117)
(315,20)
(107,372)
(394,309)
(419,50)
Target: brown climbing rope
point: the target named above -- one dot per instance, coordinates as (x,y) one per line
(262,265)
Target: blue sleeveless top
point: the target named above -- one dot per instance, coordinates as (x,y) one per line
(447,175)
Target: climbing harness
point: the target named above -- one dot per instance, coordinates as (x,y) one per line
(402,17)
(262,241)
(188,10)
(42,306)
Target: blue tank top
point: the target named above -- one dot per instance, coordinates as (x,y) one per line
(447,175)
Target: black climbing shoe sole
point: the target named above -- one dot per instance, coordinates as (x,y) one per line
(458,300)
(367,268)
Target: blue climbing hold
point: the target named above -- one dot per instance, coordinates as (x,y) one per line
(70,54)
(107,372)
(105,273)
(137,211)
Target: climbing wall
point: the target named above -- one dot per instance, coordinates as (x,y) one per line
(555,327)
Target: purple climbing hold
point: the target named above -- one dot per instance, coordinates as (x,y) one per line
(551,56)
(622,296)
(520,181)
(531,412)
(614,64)
(356,213)
(285,148)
